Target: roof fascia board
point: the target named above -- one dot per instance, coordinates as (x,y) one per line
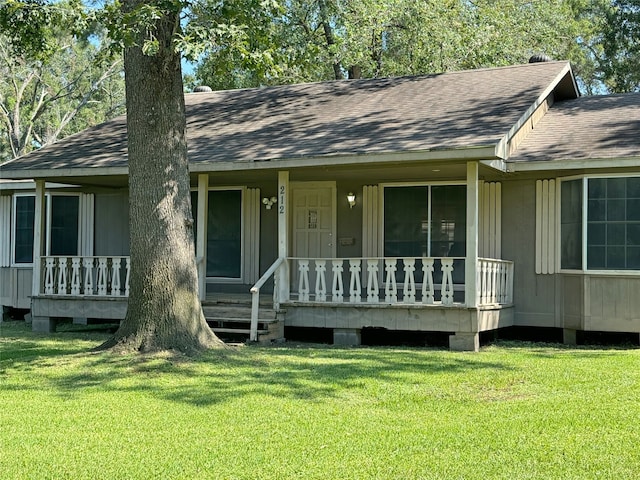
(463,154)
(64,172)
(483,153)
(503,147)
(577,164)
(29,185)
(497,164)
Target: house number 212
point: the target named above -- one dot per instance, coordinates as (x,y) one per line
(282,196)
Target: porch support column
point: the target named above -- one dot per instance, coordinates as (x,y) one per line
(471,263)
(283,235)
(38,236)
(201,235)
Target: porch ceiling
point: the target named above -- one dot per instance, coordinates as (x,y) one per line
(370,174)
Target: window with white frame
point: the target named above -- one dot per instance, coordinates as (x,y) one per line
(600,223)
(61,226)
(24,211)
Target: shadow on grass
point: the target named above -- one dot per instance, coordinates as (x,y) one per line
(307,372)
(18,344)
(63,364)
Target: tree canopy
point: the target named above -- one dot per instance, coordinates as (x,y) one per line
(620,45)
(248,43)
(311,40)
(42,100)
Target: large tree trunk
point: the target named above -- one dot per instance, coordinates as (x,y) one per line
(164,310)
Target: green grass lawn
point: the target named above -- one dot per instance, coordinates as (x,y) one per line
(512,411)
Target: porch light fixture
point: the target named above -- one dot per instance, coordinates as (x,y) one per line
(351,198)
(268,202)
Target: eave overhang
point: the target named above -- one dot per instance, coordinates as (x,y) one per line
(484,153)
(562,87)
(574,164)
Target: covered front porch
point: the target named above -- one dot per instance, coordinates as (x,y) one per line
(343,294)
(419,255)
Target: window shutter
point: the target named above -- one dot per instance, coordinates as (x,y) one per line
(5,230)
(86,224)
(545,227)
(251,220)
(490,220)
(370,221)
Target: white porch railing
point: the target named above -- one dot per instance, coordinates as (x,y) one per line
(494,282)
(409,280)
(80,276)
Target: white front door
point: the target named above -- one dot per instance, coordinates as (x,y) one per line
(314,219)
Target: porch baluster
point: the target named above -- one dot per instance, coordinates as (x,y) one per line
(427,281)
(303,283)
(62,276)
(87,263)
(321,284)
(126,281)
(503,283)
(498,286)
(390,287)
(409,291)
(483,284)
(76,276)
(494,282)
(115,276)
(355,288)
(509,287)
(373,295)
(487,284)
(447,281)
(102,276)
(337,290)
(49,275)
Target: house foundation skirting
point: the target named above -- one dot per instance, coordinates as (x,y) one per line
(347,320)
(45,309)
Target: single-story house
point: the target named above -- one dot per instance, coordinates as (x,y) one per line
(460,202)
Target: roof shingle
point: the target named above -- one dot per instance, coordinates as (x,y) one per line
(596,127)
(446,111)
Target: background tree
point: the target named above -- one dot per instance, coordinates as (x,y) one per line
(619,59)
(311,40)
(48,97)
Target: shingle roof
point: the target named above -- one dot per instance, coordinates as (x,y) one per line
(446,111)
(597,127)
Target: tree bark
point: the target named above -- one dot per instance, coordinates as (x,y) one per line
(164,310)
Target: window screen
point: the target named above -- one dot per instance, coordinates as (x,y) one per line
(23,234)
(64,225)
